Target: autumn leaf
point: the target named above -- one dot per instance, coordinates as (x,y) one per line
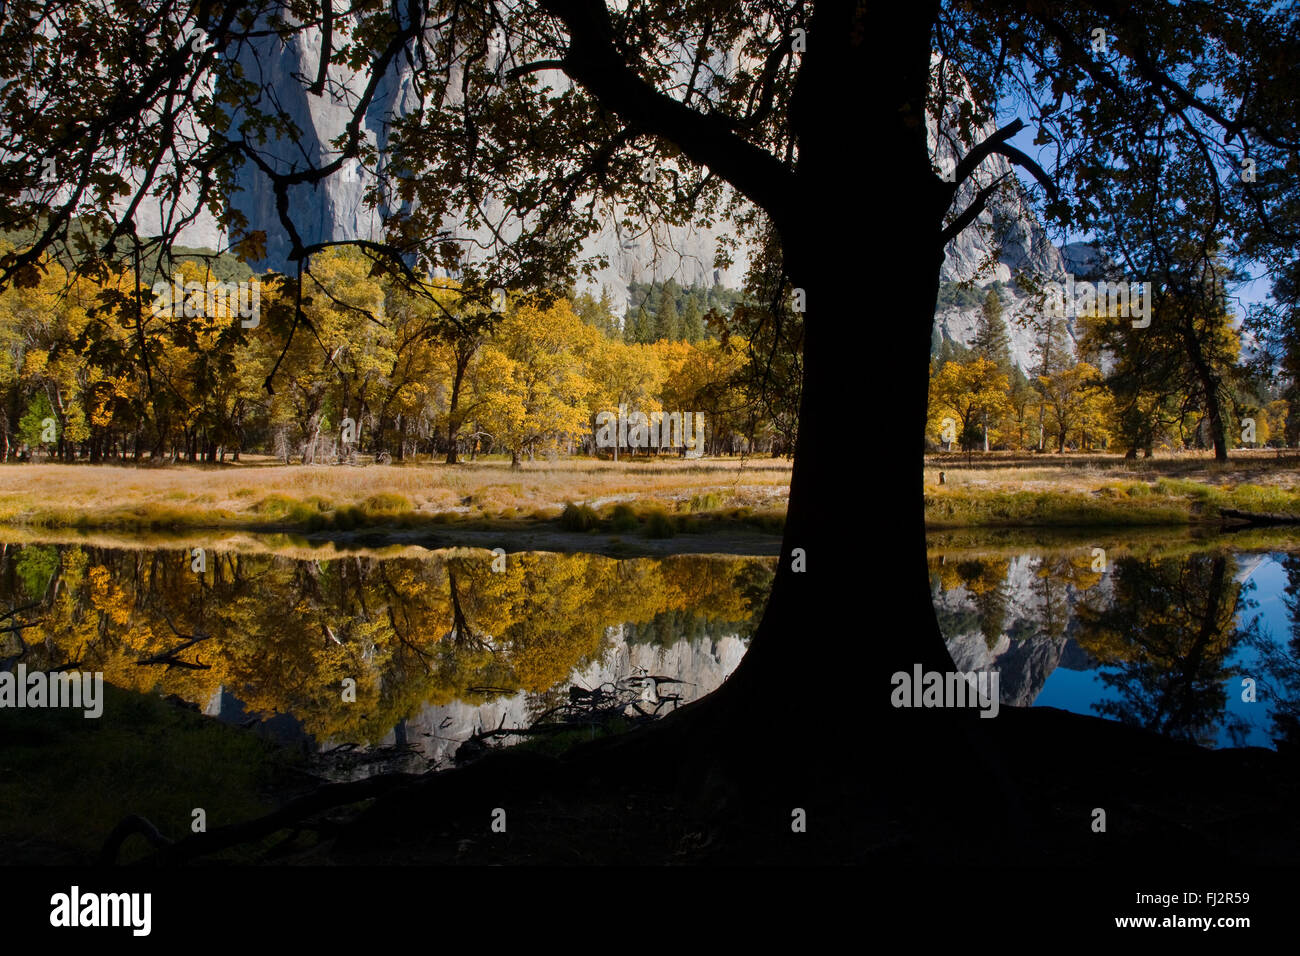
(252,247)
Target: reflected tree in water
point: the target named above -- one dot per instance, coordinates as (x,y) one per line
(985,580)
(281,634)
(1165,634)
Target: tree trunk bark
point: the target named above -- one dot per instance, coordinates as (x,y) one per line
(453,423)
(835,198)
(867,595)
(1210,383)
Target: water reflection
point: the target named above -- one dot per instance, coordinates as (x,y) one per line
(1167,631)
(436,646)
(1277,647)
(1161,642)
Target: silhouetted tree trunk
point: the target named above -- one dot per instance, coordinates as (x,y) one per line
(843,569)
(1209,383)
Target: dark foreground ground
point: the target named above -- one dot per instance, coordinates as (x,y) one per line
(1164,802)
(668,795)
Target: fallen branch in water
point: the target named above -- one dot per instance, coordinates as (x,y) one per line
(16,629)
(131,825)
(1259,518)
(169,657)
(635,699)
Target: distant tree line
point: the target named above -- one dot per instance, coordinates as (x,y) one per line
(659,311)
(91,368)
(1102,383)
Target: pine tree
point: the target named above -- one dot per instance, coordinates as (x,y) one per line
(692,320)
(599,314)
(639,329)
(607,309)
(715,298)
(668,324)
(636,295)
(1052,356)
(992,340)
(1052,352)
(950,350)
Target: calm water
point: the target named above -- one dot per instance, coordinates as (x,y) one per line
(439,646)
(1163,642)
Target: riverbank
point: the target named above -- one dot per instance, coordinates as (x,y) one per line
(387,543)
(631,501)
(1098,491)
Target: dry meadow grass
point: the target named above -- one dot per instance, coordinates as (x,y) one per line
(1025,490)
(1008,471)
(264,492)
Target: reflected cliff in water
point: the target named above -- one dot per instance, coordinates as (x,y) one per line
(438,647)
(1178,644)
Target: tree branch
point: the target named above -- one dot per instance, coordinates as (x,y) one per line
(593,61)
(969,215)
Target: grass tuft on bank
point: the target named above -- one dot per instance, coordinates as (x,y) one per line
(653,520)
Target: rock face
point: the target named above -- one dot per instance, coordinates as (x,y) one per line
(701,664)
(334,209)
(1026,652)
(1006,238)
(432,736)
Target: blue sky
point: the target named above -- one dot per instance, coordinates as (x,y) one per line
(1246,294)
